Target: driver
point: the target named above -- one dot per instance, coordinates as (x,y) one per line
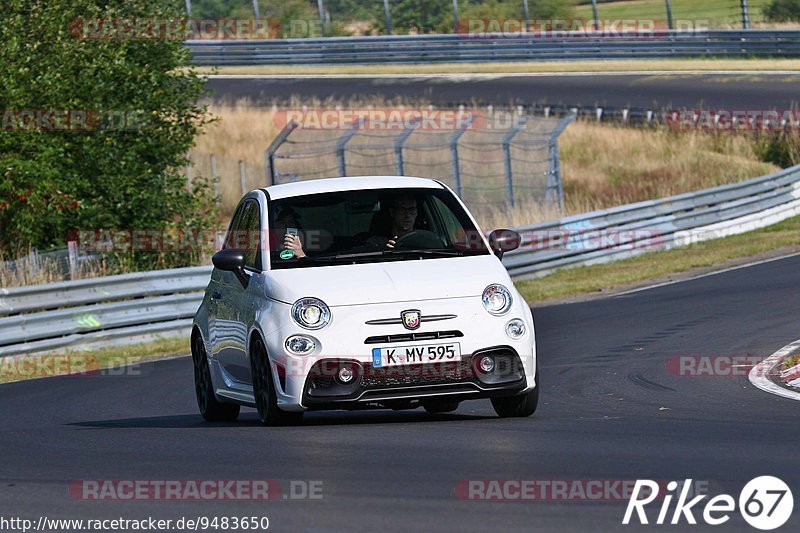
(403,216)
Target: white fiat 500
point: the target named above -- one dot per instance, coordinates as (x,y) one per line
(350,293)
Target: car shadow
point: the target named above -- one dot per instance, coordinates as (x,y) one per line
(319,418)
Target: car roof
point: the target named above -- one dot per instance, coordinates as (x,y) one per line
(301,188)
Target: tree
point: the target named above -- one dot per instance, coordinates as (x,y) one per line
(132,112)
(783,11)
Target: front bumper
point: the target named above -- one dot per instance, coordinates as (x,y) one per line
(309,382)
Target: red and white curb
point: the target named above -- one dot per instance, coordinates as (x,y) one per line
(759,374)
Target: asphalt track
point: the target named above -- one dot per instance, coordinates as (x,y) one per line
(736,92)
(609,410)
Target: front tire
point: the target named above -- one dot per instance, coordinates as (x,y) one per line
(520,406)
(269,414)
(212,409)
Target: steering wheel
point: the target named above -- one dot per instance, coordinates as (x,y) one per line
(419,238)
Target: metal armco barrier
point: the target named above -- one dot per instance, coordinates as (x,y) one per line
(497,47)
(104,310)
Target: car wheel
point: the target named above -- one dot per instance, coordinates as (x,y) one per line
(521,405)
(436,408)
(212,409)
(269,414)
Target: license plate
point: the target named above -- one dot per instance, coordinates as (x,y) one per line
(415,355)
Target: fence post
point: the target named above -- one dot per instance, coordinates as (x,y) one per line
(455,17)
(387,13)
(554,189)
(269,154)
(242,177)
(342,143)
(669,15)
(321,9)
(745,15)
(256,11)
(527,16)
(521,121)
(398,146)
(72,255)
(215,179)
(454,153)
(189,176)
(188,7)
(595,15)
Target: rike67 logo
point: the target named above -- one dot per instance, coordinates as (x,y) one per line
(765,503)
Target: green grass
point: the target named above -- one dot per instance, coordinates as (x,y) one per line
(604,278)
(23,367)
(791,361)
(720,11)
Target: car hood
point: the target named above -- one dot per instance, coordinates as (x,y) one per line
(394,281)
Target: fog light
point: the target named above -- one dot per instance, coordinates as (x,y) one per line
(300,345)
(515,329)
(346,374)
(486,364)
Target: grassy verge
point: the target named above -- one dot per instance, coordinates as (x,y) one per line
(662,266)
(90,362)
(791,362)
(718,12)
(529,67)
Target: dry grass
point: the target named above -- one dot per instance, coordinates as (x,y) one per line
(603,166)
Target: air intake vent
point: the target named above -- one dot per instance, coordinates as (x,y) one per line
(413,337)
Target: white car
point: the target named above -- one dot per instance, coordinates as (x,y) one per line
(349,293)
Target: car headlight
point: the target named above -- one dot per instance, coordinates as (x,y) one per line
(311,313)
(496,300)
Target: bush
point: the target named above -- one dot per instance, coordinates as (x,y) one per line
(108,174)
(783,11)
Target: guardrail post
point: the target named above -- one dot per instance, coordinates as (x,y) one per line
(669,15)
(269,154)
(387,14)
(398,146)
(454,154)
(455,17)
(342,143)
(509,172)
(321,9)
(215,179)
(527,16)
(242,177)
(554,189)
(745,15)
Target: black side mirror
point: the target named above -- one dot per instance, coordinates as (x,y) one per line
(504,240)
(232,261)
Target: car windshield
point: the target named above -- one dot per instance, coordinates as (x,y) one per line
(370,226)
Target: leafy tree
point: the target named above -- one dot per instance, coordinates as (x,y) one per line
(124,168)
(783,11)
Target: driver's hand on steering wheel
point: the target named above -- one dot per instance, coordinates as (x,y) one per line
(392,243)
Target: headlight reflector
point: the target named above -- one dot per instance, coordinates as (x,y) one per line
(311,313)
(497,300)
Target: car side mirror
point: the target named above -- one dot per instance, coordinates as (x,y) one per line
(504,240)
(232,261)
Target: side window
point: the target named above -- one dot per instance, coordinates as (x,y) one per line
(231,239)
(251,226)
(453,229)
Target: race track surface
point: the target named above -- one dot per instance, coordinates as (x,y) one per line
(736,92)
(610,409)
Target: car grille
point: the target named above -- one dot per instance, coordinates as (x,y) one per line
(417,375)
(413,337)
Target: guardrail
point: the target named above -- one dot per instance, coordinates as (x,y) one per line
(497,47)
(113,309)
